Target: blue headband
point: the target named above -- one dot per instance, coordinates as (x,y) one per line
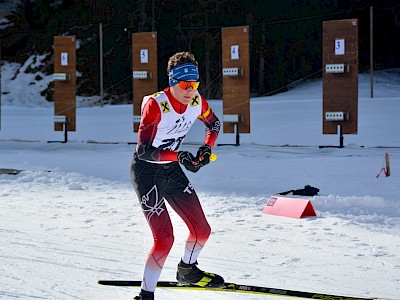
(185,72)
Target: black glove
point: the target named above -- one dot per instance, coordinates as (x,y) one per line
(190,162)
(203,154)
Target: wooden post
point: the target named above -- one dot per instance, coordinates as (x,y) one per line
(236,78)
(144,70)
(65,81)
(1,64)
(371,48)
(340,76)
(101,64)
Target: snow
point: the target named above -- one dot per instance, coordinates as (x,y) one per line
(72,217)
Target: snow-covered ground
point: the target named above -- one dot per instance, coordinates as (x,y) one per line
(72,217)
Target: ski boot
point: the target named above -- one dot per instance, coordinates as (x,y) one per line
(190,274)
(145,295)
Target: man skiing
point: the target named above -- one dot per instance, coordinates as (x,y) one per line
(157,176)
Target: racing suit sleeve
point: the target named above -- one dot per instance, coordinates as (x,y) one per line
(211,121)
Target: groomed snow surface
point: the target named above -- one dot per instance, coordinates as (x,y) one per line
(72,217)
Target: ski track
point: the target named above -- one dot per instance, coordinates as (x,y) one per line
(56,243)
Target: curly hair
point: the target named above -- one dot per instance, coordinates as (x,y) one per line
(181,58)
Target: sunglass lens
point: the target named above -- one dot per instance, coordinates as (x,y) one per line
(185,85)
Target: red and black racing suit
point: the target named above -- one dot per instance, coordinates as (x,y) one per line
(156,183)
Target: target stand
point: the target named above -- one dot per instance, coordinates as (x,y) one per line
(235,81)
(233,119)
(63,121)
(340,78)
(64,78)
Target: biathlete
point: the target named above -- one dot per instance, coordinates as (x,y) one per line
(157,176)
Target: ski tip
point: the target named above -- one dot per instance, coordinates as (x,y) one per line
(133,283)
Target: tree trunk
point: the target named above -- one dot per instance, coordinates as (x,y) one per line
(207,56)
(261,70)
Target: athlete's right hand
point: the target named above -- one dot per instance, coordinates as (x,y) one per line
(189,161)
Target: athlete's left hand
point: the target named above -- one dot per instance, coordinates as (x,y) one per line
(203,154)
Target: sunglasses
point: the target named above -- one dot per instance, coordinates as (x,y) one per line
(185,85)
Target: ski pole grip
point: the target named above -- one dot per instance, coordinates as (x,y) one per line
(213,157)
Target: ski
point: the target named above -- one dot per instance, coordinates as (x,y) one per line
(238,288)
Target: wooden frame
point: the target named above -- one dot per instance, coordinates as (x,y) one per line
(340,74)
(144,70)
(65,90)
(236,77)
